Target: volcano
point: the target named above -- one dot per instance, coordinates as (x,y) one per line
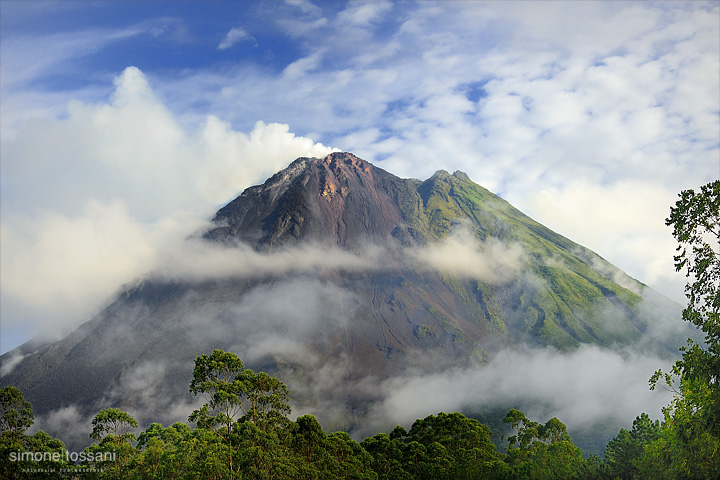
(334,275)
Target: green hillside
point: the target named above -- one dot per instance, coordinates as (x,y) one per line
(566,296)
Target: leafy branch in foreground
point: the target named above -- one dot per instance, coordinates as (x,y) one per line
(689,443)
(696,227)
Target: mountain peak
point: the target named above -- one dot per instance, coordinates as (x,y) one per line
(461,176)
(339,196)
(336,159)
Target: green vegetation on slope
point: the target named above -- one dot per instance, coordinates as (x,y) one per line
(566,299)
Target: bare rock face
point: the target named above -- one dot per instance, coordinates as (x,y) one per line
(441,273)
(340,199)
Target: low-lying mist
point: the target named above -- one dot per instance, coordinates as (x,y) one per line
(296,313)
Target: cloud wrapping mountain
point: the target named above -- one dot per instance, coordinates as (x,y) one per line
(154,183)
(359,289)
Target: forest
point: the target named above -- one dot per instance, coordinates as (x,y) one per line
(243,430)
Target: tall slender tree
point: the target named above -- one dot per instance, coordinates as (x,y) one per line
(689,443)
(696,226)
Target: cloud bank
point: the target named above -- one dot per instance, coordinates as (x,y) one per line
(92,201)
(582,388)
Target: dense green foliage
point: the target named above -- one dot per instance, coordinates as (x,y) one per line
(16,416)
(243,430)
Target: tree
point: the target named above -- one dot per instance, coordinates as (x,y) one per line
(526,431)
(445,446)
(696,227)
(36,456)
(236,393)
(623,452)
(689,443)
(685,447)
(308,438)
(113,425)
(162,452)
(538,451)
(113,449)
(16,414)
(235,396)
(554,431)
(349,459)
(387,457)
(267,399)
(222,378)
(53,460)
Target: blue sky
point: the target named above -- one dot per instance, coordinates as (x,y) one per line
(125,124)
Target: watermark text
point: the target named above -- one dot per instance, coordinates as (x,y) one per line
(74,457)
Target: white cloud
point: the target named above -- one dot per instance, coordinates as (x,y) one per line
(462,254)
(361,13)
(10,363)
(92,199)
(306,6)
(310,20)
(70,422)
(301,67)
(583,388)
(197,260)
(61,269)
(233,37)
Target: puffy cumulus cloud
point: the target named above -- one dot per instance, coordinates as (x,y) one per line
(582,388)
(58,269)
(133,149)
(90,199)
